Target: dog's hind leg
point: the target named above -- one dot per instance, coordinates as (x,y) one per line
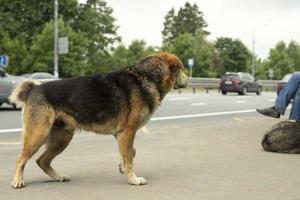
(58,140)
(125,141)
(35,131)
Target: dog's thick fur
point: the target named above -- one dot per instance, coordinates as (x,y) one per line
(283,137)
(116,103)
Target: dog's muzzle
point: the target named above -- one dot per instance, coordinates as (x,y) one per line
(181,85)
(181,81)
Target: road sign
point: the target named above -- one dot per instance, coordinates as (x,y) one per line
(190,62)
(271,73)
(3,61)
(63,45)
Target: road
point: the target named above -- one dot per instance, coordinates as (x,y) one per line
(196,146)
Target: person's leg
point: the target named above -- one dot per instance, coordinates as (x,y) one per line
(295,111)
(287,93)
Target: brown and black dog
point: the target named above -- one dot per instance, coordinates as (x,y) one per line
(116,103)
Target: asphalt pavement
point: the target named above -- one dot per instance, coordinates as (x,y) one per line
(209,152)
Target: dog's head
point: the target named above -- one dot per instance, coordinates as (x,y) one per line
(175,77)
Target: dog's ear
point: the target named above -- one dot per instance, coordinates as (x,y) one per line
(172,61)
(175,64)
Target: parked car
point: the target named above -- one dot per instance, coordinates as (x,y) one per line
(282,82)
(239,82)
(40,77)
(7,84)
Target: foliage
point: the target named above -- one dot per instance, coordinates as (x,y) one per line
(16,49)
(284,59)
(123,56)
(188,20)
(261,71)
(293,51)
(234,55)
(96,22)
(41,52)
(119,57)
(27,18)
(188,46)
(169,23)
(26,36)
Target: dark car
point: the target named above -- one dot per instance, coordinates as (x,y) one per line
(282,82)
(7,84)
(239,82)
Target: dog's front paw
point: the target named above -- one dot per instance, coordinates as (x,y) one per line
(17,183)
(137,181)
(63,178)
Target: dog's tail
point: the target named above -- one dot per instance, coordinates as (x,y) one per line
(21,92)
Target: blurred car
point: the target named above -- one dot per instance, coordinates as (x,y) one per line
(282,82)
(40,77)
(239,82)
(7,84)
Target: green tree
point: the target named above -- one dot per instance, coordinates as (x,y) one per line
(293,51)
(27,18)
(23,22)
(16,50)
(96,22)
(234,55)
(283,59)
(260,69)
(119,57)
(41,52)
(168,31)
(137,50)
(122,56)
(189,19)
(188,46)
(278,60)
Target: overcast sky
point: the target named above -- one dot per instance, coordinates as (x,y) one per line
(268,21)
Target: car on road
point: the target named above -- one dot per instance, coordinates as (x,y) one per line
(7,84)
(282,82)
(40,77)
(239,82)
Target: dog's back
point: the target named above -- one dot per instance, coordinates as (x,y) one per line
(283,137)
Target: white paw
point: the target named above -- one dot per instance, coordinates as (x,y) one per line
(17,183)
(137,181)
(63,178)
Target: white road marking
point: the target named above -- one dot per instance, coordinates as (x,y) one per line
(240,101)
(10,143)
(10,130)
(243,97)
(199,104)
(202,115)
(271,100)
(238,119)
(178,98)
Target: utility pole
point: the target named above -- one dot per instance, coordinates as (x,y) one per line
(56,39)
(253,55)
(267,23)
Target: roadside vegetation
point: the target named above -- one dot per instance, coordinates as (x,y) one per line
(26,36)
